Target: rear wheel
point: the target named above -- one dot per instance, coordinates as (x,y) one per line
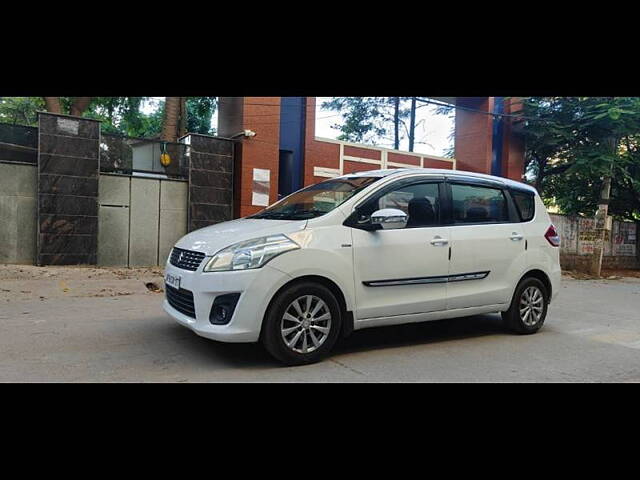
(528,309)
(302,324)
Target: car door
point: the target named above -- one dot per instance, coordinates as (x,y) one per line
(487,244)
(401,271)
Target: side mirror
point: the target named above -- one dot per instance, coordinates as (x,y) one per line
(389,218)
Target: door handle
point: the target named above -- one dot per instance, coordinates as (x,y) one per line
(516,237)
(439,242)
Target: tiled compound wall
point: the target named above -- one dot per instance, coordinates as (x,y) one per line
(139,219)
(68,171)
(577,237)
(210,180)
(69,196)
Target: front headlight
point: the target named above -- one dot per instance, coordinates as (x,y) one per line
(250,254)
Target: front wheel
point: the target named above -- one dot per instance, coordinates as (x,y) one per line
(528,309)
(302,324)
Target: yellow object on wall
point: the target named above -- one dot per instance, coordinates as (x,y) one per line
(165,159)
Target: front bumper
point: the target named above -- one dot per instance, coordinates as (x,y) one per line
(256,288)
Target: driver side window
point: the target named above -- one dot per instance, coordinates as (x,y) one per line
(419,201)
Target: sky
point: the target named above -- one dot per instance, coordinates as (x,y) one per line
(432,129)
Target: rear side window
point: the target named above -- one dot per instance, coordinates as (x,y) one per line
(474,204)
(525,203)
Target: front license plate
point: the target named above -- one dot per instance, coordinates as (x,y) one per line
(172,280)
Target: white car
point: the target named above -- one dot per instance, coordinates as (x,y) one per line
(364,250)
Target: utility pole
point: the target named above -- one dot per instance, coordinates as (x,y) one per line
(601,224)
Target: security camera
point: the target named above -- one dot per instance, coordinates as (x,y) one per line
(244,133)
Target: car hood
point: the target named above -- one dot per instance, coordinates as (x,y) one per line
(211,240)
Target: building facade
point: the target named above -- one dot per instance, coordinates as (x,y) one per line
(70,194)
(285,154)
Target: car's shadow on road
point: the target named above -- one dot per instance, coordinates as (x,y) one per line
(254,356)
(424,333)
(239,355)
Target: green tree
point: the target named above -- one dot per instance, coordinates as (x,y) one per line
(119,115)
(374,119)
(122,115)
(20,110)
(200,111)
(574,144)
(550,133)
(585,148)
(363,117)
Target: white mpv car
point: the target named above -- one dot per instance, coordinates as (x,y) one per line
(364,250)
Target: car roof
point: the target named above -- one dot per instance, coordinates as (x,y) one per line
(399,172)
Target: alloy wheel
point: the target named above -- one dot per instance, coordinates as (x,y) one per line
(306,324)
(531,306)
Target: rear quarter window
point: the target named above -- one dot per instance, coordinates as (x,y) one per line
(525,204)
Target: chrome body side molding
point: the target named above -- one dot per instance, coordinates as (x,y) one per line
(426,280)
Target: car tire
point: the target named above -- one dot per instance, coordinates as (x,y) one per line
(530,296)
(292,325)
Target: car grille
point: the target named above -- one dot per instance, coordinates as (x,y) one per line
(186,259)
(181,300)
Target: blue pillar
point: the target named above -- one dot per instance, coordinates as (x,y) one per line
(292,130)
(498,137)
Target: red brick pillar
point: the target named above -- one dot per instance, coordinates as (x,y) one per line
(262,116)
(317,153)
(473,138)
(513,146)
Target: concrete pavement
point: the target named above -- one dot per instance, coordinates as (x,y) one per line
(96,325)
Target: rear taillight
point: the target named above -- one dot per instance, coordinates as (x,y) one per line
(552,236)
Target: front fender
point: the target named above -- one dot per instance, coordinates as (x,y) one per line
(334,265)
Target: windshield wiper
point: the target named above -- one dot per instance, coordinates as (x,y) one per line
(273,215)
(311,213)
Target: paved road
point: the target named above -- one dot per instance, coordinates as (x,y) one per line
(592,335)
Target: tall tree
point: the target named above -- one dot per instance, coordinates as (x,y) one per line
(120,115)
(549,136)
(363,117)
(571,142)
(20,110)
(200,111)
(585,142)
(123,115)
(172,119)
(77,105)
(396,122)
(53,104)
(412,124)
(377,119)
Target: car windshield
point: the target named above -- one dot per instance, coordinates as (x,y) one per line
(316,200)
